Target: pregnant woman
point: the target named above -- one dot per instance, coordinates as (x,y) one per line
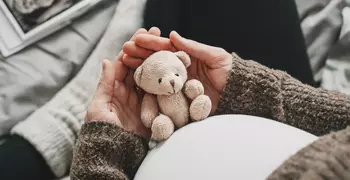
(113,142)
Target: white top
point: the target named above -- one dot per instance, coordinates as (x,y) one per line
(224,147)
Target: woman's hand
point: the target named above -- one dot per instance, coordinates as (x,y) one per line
(209,64)
(116,100)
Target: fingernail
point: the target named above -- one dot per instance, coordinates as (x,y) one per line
(175,32)
(104,62)
(124,57)
(103,65)
(152,28)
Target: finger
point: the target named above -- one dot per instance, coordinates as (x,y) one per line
(154,43)
(129,80)
(140,31)
(131,62)
(120,56)
(129,84)
(120,71)
(154,31)
(131,49)
(203,52)
(120,93)
(105,86)
(140,93)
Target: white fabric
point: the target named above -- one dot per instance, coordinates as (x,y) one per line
(54,127)
(224,147)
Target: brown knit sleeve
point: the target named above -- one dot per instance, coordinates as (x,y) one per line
(254,89)
(326,158)
(105,151)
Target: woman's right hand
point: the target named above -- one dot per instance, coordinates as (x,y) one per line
(210,65)
(116,99)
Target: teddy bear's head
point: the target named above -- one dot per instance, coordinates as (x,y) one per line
(163,73)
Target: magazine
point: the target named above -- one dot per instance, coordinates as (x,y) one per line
(23,22)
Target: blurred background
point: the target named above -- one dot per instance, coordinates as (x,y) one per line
(46,86)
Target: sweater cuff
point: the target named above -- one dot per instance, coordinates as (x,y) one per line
(113,147)
(53,139)
(252,89)
(130,149)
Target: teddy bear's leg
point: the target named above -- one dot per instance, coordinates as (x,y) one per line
(162,128)
(193,88)
(200,108)
(149,109)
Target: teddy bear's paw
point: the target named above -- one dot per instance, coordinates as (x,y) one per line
(193,88)
(200,108)
(162,128)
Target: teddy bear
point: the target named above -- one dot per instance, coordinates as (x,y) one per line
(170,100)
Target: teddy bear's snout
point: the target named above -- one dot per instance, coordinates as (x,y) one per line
(172,83)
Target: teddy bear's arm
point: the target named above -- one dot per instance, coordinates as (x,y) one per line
(193,88)
(200,106)
(149,109)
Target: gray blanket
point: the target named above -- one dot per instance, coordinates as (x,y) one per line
(326,27)
(33,76)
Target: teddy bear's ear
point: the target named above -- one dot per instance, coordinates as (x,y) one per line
(138,74)
(185,58)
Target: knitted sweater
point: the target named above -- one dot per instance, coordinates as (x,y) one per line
(105,151)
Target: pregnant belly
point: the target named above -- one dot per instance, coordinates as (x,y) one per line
(224,147)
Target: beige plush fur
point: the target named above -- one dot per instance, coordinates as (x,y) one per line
(163,76)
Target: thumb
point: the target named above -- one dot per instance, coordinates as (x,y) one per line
(104,91)
(202,52)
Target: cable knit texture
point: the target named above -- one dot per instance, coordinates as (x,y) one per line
(253,89)
(104,151)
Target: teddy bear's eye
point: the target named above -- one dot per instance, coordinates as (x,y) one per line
(176,74)
(159,80)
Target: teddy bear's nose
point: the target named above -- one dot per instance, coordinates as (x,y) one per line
(172,82)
